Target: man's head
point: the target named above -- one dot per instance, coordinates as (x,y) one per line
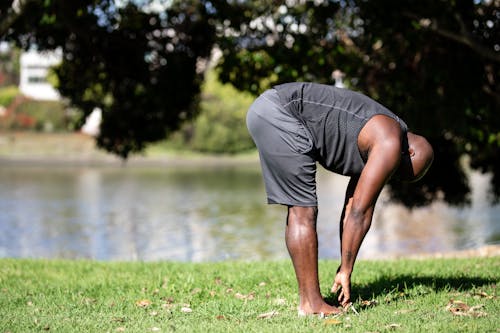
(416,159)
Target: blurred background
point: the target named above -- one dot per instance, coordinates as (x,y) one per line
(123,137)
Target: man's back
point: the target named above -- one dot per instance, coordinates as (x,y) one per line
(334,118)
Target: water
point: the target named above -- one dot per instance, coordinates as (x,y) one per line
(204,214)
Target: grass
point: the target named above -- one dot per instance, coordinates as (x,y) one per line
(89,296)
(57,148)
(35,144)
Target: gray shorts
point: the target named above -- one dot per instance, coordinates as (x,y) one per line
(285,145)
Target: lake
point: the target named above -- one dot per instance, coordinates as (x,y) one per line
(202,214)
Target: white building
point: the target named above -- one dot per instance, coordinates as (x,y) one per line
(34,69)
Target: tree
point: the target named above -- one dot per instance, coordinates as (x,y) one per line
(440,71)
(435,63)
(139,67)
(9,67)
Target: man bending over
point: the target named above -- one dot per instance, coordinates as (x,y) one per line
(295,125)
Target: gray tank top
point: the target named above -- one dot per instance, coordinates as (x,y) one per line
(334,117)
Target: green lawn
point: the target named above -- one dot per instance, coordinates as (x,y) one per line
(435,295)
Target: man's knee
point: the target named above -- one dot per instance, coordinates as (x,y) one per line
(305,216)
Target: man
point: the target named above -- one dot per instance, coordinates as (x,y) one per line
(295,125)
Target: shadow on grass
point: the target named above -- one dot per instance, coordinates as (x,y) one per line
(403,286)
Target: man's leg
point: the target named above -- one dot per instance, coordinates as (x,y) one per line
(302,243)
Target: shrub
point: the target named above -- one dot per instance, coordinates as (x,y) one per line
(220,126)
(42,115)
(27,114)
(7,95)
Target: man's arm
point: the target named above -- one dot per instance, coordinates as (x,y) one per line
(382,161)
(353,182)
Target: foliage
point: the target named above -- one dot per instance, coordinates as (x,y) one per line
(220,126)
(89,296)
(435,63)
(265,43)
(7,95)
(26,114)
(45,115)
(139,67)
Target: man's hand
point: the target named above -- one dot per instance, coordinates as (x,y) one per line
(342,282)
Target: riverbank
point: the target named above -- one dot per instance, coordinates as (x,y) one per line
(76,149)
(433,295)
(487,251)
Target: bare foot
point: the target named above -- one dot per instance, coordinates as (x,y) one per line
(323,310)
